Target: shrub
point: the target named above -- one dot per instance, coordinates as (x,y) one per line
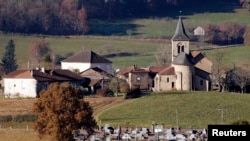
(124,87)
(25,118)
(134,93)
(105,92)
(7,118)
(240,122)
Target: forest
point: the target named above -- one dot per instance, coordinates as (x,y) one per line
(72,17)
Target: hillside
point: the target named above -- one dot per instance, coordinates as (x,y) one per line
(197,109)
(187,109)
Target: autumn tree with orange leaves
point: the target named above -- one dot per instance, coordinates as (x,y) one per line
(61,110)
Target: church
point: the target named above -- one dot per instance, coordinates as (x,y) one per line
(189,70)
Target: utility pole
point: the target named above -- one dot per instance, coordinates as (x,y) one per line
(222,115)
(177,120)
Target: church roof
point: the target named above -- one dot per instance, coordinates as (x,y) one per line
(180,33)
(86,56)
(167,71)
(182,59)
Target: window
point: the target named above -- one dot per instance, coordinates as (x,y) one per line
(180,47)
(167,79)
(201,82)
(138,77)
(172,84)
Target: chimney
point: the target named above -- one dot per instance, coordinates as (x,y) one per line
(31,72)
(42,69)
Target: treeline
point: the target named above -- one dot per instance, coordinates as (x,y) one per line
(64,17)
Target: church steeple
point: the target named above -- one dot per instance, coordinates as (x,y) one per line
(180,33)
(180,40)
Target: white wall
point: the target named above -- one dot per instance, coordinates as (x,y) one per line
(73,66)
(19,87)
(84,66)
(184,77)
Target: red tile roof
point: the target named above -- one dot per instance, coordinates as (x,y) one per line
(156,69)
(131,69)
(167,71)
(47,75)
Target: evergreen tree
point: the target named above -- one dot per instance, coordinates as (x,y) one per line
(8,61)
(61,110)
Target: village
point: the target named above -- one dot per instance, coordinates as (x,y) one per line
(188,71)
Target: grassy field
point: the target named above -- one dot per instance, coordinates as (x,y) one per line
(191,109)
(142,51)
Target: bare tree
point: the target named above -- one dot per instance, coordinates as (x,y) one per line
(241,76)
(163,55)
(219,68)
(39,51)
(247,36)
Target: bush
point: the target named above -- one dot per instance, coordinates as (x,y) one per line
(124,87)
(7,118)
(25,118)
(105,92)
(240,122)
(134,93)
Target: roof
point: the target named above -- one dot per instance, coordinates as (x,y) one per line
(197,56)
(180,33)
(131,69)
(46,75)
(19,74)
(182,59)
(156,69)
(96,73)
(202,74)
(86,56)
(167,71)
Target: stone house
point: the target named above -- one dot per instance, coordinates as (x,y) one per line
(136,77)
(98,78)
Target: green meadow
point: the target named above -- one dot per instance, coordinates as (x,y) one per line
(182,109)
(134,41)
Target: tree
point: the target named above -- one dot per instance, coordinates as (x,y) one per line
(241,76)
(61,110)
(247,36)
(8,61)
(219,69)
(39,51)
(163,55)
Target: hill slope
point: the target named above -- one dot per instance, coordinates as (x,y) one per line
(187,109)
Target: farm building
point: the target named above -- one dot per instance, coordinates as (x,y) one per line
(28,83)
(86,59)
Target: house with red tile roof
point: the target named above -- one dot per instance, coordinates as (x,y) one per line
(28,83)
(86,59)
(136,77)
